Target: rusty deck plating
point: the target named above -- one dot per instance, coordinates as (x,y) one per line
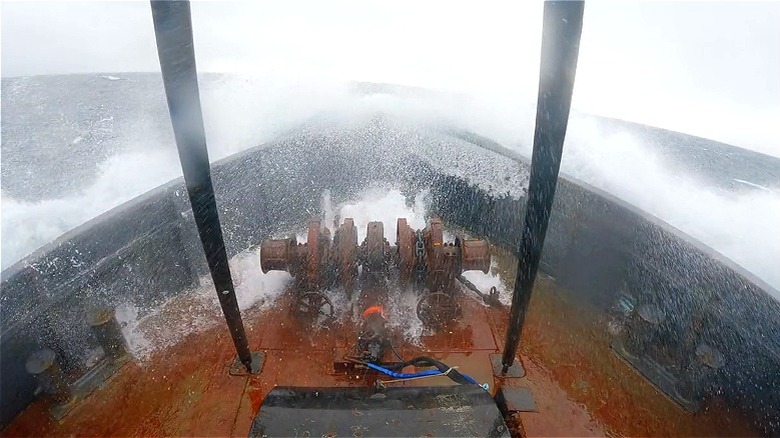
(579,387)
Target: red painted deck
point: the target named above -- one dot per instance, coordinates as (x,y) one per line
(580,387)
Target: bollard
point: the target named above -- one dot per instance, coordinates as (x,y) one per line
(642,333)
(706,361)
(108,332)
(44,366)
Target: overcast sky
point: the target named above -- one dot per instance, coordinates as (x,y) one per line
(710,68)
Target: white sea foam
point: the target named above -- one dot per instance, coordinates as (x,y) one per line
(150,330)
(241,112)
(484,282)
(385,206)
(738,225)
(147,330)
(29,225)
(751,184)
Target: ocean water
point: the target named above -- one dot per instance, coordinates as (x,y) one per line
(163,326)
(74,146)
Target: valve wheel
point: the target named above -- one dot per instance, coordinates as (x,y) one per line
(405,240)
(310,305)
(437,309)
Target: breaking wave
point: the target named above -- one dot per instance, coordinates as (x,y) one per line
(240,113)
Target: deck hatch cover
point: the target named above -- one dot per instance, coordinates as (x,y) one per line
(462,410)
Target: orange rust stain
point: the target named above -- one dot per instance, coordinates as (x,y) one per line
(569,340)
(579,387)
(182,390)
(558,414)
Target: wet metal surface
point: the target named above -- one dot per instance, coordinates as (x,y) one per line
(461,410)
(578,386)
(514,370)
(515,399)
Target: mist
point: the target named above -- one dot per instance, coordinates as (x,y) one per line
(705,68)
(709,69)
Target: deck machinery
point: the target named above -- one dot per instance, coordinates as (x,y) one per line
(420,259)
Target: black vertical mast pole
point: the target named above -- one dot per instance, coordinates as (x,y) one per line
(173,31)
(560,48)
